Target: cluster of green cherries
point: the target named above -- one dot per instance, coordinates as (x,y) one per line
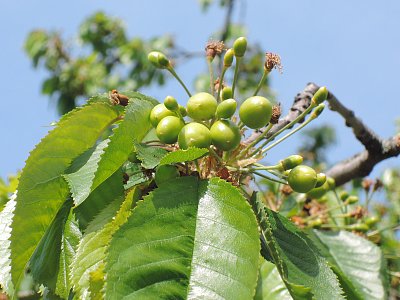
(212,125)
(211,121)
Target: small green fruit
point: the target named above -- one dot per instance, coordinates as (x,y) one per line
(202,106)
(318,192)
(228,58)
(255,112)
(358,227)
(158,113)
(171,103)
(291,161)
(225,135)
(165,173)
(194,135)
(153,58)
(352,199)
(226,109)
(321,179)
(168,129)
(320,96)
(239,46)
(182,111)
(302,179)
(371,221)
(226,93)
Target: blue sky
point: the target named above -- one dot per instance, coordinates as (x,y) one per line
(352,47)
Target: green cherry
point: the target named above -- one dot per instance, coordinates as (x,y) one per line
(226,109)
(168,129)
(255,112)
(239,46)
(201,106)
(194,135)
(158,113)
(225,135)
(302,179)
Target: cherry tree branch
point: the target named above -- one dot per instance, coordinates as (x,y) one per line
(359,165)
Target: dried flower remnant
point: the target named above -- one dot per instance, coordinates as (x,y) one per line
(273,61)
(214,48)
(276,113)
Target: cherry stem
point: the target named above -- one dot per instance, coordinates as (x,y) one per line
(172,71)
(211,73)
(238,60)
(221,80)
(268,177)
(288,135)
(256,141)
(260,83)
(326,211)
(312,105)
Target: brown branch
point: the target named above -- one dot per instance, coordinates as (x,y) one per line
(359,165)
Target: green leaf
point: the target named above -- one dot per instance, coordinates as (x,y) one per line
(80,181)
(358,263)
(183,155)
(96,285)
(136,175)
(93,246)
(45,261)
(98,199)
(270,285)
(6,216)
(71,236)
(303,269)
(134,127)
(113,152)
(149,156)
(188,239)
(42,190)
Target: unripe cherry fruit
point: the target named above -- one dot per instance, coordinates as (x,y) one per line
(182,111)
(158,113)
(255,112)
(165,173)
(291,161)
(321,179)
(226,109)
(171,103)
(226,93)
(201,106)
(225,135)
(228,58)
(302,179)
(153,58)
(318,192)
(168,129)
(194,135)
(239,46)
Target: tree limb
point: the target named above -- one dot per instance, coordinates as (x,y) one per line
(359,165)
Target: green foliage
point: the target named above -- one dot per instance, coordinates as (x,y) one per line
(6,216)
(270,284)
(92,220)
(183,155)
(70,77)
(171,246)
(358,263)
(305,272)
(42,178)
